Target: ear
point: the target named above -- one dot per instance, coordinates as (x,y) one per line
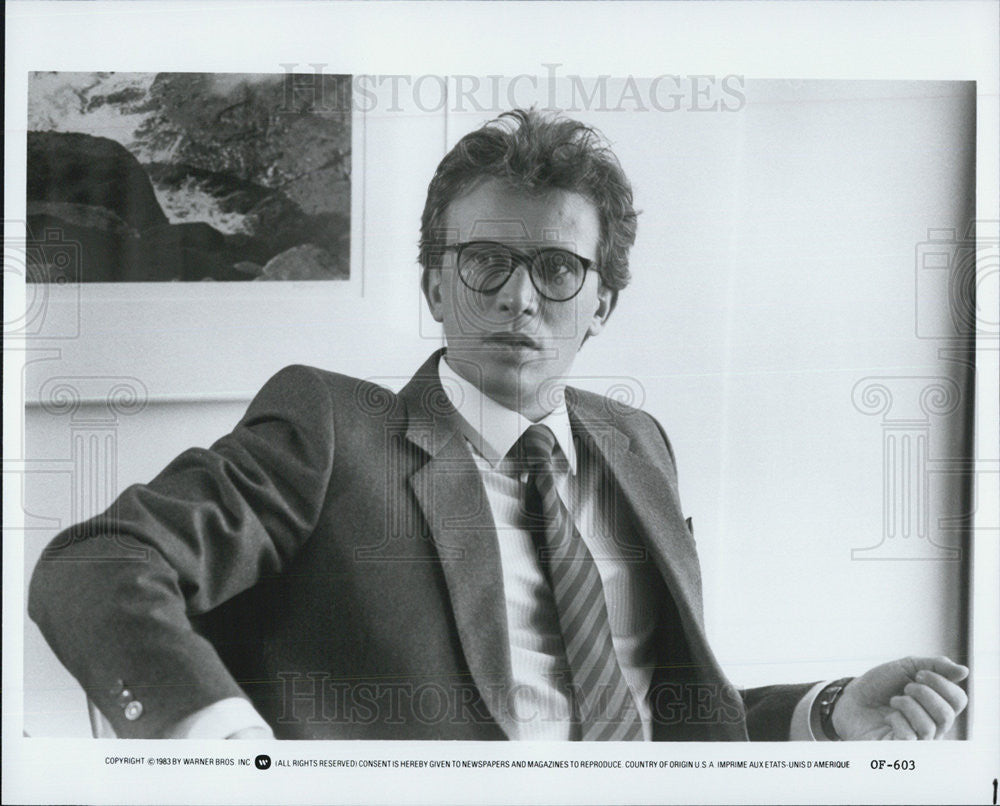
(431,283)
(607,298)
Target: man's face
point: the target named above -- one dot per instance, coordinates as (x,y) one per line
(513,343)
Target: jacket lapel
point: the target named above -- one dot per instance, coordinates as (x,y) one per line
(661,527)
(654,510)
(451,495)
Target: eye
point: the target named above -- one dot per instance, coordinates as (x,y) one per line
(560,271)
(485,266)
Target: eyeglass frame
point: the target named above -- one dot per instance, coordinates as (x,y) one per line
(527,258)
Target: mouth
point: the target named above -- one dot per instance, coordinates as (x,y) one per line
(512,340)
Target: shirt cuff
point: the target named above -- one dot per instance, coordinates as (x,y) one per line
(219,720)
(802,729)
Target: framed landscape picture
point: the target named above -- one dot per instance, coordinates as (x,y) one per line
(167,177)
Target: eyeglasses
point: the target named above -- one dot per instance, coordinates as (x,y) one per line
(485,266)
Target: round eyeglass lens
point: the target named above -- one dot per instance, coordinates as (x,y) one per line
(559,274)
(485,267)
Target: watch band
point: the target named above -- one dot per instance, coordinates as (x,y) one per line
(827,701)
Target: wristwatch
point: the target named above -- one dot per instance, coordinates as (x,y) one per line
(827,701)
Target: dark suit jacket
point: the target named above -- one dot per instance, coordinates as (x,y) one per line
(335,560)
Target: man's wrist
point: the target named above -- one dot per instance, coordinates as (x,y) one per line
(826,704)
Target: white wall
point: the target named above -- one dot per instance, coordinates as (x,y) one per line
(775,268)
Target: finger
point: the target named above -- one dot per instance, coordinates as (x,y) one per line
(934,704)
(921,722)
(944,666)
(954,695)
(901,729)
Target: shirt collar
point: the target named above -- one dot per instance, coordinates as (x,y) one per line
(492,428)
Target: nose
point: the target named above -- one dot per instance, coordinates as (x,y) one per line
(518,296)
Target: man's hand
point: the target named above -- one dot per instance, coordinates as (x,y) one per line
(910,698)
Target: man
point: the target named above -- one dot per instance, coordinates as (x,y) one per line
(488,554)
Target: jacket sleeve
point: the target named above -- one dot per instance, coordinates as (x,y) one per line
(770,708)
(113,595)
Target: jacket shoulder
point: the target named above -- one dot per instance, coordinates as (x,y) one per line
(601,407)
(302,382)
(644,431)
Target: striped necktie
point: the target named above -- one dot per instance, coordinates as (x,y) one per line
(604,708)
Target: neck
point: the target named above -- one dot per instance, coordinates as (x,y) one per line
(528,404)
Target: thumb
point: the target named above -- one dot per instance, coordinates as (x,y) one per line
(944,666)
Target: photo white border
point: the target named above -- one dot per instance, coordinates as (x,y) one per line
(862,40)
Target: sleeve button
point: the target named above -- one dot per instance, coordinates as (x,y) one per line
(133,710)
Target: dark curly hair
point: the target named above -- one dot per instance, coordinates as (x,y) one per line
(539,153)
